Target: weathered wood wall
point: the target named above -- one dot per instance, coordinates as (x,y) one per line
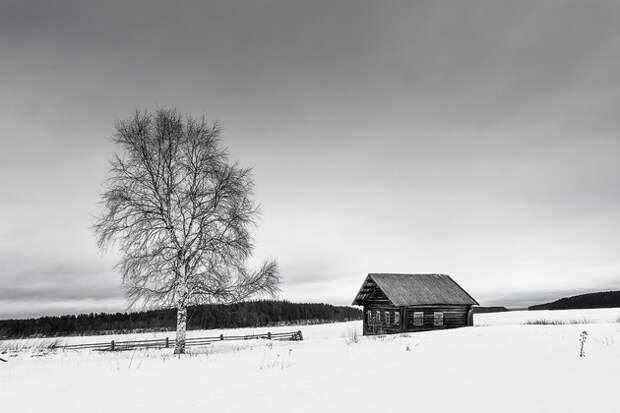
(453,316)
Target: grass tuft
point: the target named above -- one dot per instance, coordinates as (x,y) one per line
(352,336)
(36,345)
(544,322)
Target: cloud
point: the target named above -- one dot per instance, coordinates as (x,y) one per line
(477,139)
(31,285)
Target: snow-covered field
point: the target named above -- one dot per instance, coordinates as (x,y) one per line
(501,365)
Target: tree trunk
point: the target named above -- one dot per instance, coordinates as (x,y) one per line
(179,347)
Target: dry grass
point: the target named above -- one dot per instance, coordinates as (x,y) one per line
(352,336)
(544,322)
(34,345)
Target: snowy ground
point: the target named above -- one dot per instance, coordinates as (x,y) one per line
(501,365)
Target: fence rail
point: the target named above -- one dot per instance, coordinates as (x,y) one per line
(167,342)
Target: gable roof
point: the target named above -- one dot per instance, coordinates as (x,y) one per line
(414,289)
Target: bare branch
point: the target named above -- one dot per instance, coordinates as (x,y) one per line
(181,214)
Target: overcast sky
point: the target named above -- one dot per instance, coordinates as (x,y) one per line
(477,139)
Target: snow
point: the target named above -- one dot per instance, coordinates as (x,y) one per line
(586,316)
(499,365)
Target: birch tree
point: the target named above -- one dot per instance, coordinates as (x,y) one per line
(181,216)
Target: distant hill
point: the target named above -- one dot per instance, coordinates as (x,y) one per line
(607,299)
(248,314)
(495,309)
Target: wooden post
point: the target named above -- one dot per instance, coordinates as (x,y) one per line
(112,345)
(221,336)
(167,342)
(268,335)
(299,336)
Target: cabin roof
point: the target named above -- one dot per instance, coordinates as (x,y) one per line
(414,289)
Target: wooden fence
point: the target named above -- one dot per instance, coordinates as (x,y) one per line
(166,342)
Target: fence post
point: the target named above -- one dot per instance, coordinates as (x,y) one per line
(269,335)
(112,345)
(167,342)
(299,336)
(221,336)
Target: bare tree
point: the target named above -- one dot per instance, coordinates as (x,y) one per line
(181,216)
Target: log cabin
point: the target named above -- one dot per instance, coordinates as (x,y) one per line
(396,303)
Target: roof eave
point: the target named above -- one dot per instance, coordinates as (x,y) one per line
(464,290)
(356,300)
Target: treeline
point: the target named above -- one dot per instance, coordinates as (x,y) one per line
(496,309)
(248,314)
(607,299)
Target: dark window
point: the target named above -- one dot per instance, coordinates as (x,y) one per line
(438,319)
(418,319)
(396,318)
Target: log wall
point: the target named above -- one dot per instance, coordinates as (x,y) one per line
(453,316)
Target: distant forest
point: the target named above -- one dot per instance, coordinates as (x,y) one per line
(607,299)
(496,309)
(248,314)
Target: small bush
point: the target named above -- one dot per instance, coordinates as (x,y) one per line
(582,341)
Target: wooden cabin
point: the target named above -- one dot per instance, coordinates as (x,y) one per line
(396,303)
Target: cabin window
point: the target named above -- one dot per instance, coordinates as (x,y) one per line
(377,316)
(387,317)
(418,319)
(369,315)
(396,318)
(438,319)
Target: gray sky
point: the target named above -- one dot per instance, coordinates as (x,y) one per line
(478,139)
